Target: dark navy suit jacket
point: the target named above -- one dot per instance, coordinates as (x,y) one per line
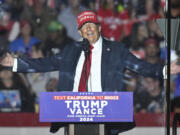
(115,59)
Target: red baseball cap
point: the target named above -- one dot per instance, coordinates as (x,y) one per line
(23,23)
(151,41)
(86,16)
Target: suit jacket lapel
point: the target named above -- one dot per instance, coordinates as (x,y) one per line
(78,53)
(106,50)
(75,59)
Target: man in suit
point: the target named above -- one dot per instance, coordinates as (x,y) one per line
(109,61)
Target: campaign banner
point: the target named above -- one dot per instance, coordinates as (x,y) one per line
(86,107)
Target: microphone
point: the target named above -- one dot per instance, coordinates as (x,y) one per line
(85,45)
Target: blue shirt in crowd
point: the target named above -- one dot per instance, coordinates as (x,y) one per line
(177,87)
(18,45)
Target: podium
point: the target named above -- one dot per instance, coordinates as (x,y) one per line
(86,112)
(86,129)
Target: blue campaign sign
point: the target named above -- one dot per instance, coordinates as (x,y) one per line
(86,107)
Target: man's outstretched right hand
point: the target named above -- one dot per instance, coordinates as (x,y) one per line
(7,61)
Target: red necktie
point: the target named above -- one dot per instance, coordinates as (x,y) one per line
(82,83)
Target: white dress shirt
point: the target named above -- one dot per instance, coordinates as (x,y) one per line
(94,80)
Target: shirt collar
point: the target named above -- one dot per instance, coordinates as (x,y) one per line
(97,46)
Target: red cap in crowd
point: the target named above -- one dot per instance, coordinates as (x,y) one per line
(151,41)
(86,16)
(23,23)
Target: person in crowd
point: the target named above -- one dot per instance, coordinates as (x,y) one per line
(17,7)
(152,55)
(13,81)
(175,8)
(137,84)
(151,99)
(154,30)
(107,62)
(8,28)
(23,44)
(153,9)
(61,4)
(57,39)
(152,51)
(149,9)
(68,18)
(111,15)
(91,4)
(135,41)
(39,16)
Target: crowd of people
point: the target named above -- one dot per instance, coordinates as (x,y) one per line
(42,28)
